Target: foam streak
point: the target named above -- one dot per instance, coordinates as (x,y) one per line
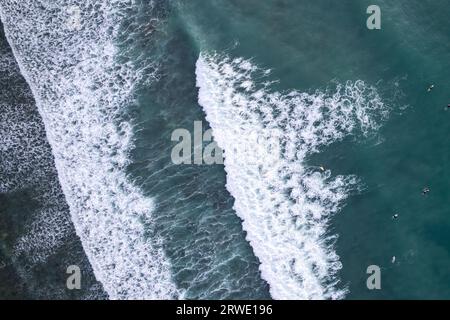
(285,206)
(82,94)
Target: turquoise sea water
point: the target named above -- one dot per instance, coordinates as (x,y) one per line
(204,224)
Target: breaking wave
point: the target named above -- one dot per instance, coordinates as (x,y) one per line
(266,136)
(69,58)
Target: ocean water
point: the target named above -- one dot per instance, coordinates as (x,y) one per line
(38,241)
(326,127)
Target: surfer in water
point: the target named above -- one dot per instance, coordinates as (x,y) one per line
(431,87)
(425,191)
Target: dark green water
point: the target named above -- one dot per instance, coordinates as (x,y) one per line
(37,238)
(309,46)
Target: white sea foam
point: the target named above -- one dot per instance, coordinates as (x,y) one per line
(26,162)
(26,169)
(81,92)
(285,205)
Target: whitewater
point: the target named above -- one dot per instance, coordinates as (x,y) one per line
(284,203)
(82,94)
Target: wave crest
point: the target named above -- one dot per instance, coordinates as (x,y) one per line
(82,93)
(266,136)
